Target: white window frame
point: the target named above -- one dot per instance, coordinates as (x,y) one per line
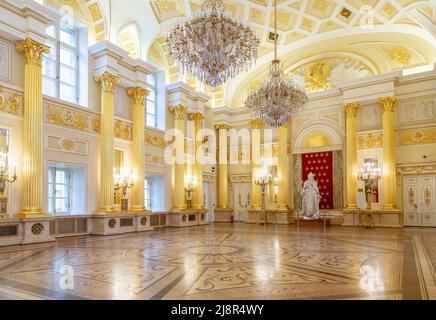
(58,44)
(152,88)
(148,185)
(52,197)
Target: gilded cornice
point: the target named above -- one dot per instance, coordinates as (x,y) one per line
(139,94)
(179,111)
(388,104)
(351,110)
(33,51)
(107,81)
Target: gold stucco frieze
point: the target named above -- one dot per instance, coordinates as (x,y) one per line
(370,141)
(67,118)
(417,136)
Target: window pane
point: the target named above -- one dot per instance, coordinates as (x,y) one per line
(151,79)
(61,176)
(68,75)
(53,51)
(61,205)
(67,92)
(50,205)
(51,31)
(151,107)
(68,57)
(151,120)
(48,86)
(152,95)
(49,68)
(68,37)
(50,190)
(61,191)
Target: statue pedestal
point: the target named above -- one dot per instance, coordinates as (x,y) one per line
(320,222)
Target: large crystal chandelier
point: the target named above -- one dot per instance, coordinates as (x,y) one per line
(214,46)
(277,99)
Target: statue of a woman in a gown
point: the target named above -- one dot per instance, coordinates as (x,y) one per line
(311,197)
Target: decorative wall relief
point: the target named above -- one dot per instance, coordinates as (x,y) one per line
(369,118)
(155,160)
(297,181)
(155,139)
(10,102)
(67,118)
(417,110)
(14,105)
(370,141)
(122,130)
(5,60)
(96,125)
(416,136)
(68,145)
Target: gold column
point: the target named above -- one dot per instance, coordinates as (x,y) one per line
(33,129)
(139,94)
(282,168)
(256,126)
(198,172)
(351,154)
(389,158)
(179,165)
(222,167)
(107,82)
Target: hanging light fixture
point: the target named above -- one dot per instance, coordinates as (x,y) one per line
(214,46)
(277,99)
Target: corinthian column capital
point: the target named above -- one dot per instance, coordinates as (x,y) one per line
(197,117)
(388,104)
(179,111)
(256,123)
(139,94)
(222,126)
(351,110)
(107,81)
(33,51)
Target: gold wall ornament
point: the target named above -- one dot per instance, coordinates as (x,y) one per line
(107,81)
(2,100)
(33,51)
(400,55)
(256,124)
(317,140)
(388,104)
(67,118)
(351,110)
(316,77)
(68,144)
(416,136)
(14,104)
(370,141)
(37,229)
(139,94)
(122,130)
(179,111)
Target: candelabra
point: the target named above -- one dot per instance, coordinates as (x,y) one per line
(4,180)
(123,183)
(190,187)
(369,175)
(263,179)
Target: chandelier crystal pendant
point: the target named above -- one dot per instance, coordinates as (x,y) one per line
(276,99)
(214,46)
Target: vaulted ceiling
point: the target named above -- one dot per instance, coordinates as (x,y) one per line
(321,42)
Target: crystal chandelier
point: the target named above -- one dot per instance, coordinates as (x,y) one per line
(277,99)
(214,46)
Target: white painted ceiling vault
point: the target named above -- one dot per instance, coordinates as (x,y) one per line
(321,42)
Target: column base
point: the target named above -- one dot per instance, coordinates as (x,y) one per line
(119,223)
(20,231)
(138,211)
(32,215)
(223,215)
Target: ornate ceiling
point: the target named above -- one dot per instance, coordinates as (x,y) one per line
(321,42)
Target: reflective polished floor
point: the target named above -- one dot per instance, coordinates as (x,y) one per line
(225,261)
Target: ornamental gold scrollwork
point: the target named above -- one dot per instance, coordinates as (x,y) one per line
(2,100)
(14,104)
(370,141)
(417,136)
(67,118)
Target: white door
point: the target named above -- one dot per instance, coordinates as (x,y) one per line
(207,201)
(242,201)
(419,200)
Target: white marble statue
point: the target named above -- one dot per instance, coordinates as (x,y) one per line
(311,198)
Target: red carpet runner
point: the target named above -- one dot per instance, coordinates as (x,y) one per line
(320,164)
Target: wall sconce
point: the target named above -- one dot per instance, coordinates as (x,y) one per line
(123,182)
(4,180)
(276,189)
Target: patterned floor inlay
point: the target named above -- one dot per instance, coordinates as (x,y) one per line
(227,262)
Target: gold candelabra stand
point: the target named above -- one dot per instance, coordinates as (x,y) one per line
(263,179)
(190,187)
(370,176)
(122,185)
